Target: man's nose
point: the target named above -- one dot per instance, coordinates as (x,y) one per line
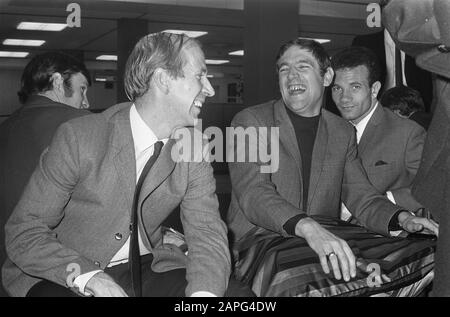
(207,90)
(85,103)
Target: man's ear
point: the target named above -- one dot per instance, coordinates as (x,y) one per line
(328,77)
(376,86)
(161,79)
(57,82)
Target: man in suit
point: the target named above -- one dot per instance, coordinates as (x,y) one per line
(53,91)
(318,167)
(407,103)
(90,217)
(390,147)
(411,75)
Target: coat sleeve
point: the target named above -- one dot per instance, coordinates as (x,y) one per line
(373,210)
(256,194)
(31,242)
(209,264)
(412,159)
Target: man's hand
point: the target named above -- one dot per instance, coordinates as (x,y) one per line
(102,285)
(411,223)
(328,247)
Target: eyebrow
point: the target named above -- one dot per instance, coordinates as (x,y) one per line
(299,61)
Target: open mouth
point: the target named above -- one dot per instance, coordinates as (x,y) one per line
(197,103)
(296,89)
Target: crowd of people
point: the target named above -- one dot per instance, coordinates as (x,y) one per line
(84,197)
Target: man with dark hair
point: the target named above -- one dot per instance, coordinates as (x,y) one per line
(390,147)
(407,103)
(318,167)
(53,90)
(397,68)
(89,222)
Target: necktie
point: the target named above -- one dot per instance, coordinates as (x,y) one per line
(134,254)
(398,68)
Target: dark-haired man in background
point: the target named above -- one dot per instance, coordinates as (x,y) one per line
(390,147)
(53,90)
(407,103)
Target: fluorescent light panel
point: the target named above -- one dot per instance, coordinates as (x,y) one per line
(107,58)
(321,41)
(237,53)
(38,26)
(216,61)
(188,33)
(18,42)
(13,54)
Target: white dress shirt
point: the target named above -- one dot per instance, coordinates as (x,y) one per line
(144,139)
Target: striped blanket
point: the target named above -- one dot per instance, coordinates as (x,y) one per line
(278,266)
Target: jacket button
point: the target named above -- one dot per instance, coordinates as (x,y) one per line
(118,236)
(97,263)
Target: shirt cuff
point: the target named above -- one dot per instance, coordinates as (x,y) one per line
(81,281)
(203,294)
(390,196)
(289,226)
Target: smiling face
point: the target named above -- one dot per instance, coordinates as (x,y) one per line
(300,80)
(190,90)
(352,93)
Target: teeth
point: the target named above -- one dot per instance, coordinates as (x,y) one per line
(198,103)
(295,88)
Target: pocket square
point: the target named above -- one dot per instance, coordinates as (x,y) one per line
(378,163)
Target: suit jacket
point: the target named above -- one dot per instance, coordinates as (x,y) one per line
(269,200)
(432,184)
(390,150)
(416,77)
(81,196)
(23,137)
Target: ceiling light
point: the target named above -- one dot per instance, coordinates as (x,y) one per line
(107,58)
(101,79)
(216,61)
(37,26)
(188,33)
(13,54)
(18,42)
(321,41)
(237,53)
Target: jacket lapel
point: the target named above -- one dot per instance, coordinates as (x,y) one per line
(124,159)
(160,170)
(371,129)
(288,138)
(318,156)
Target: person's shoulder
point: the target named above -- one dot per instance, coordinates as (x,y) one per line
(398,123)
(99,120)
(337,122)
(258,113)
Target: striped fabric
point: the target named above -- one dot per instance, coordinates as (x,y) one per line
(277,266)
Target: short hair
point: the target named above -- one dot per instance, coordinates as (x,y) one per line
(404,99)
(355,56)
(37,75)
(314,47)
(159,50)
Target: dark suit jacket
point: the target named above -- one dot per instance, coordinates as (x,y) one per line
(416,77)
(269,200)
(432,183)
(81,195)
(390,150)
(23,137)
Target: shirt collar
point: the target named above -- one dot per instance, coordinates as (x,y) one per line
(361,125)
(143,135)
